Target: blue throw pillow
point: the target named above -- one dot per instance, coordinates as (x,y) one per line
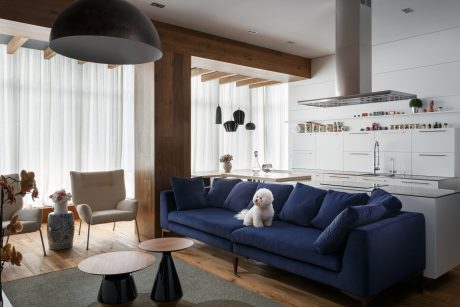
(189,193)
(302,205)
(280,193)
(334,237)
(335,202)
(240,196)
(381,197)
(219,191)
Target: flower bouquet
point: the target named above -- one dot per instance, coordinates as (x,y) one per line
(8,252)
(60,199)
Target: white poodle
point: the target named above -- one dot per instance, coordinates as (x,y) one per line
(261,214)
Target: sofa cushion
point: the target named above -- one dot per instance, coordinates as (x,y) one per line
(189,193)
(302,205)
(280,193)
(240,196)
(335,202)
(381,197)
(288,240)
(219,191)
(216,221)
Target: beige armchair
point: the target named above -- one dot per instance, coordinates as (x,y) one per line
(31,219)
(100,197)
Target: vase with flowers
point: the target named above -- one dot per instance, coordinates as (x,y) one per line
(60,199)
(226,159)
(8,194)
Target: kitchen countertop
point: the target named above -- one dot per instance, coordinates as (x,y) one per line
(379,175)
(396,190)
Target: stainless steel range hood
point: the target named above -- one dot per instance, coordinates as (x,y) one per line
(354,59)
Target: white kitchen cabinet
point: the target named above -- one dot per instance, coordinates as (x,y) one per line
(433,164)
(402,162)
(377,180)
(416,183)
(303,159)
(358,141)
(329,151)
(358,161)
(339,177)
(394,140)
(434,140)
(303,141)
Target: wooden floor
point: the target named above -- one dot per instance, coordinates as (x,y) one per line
(288,289)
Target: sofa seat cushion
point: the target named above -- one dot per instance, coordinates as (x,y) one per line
(216,221)
(288,240)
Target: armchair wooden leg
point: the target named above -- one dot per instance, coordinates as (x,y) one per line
(79,228)
(87,238)
(114,226)
(137,230)
(43,244)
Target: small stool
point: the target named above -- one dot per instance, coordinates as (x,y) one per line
(60,231)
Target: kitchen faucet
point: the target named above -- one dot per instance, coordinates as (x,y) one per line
(376,157)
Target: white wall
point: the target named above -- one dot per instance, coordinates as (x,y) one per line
(427,65)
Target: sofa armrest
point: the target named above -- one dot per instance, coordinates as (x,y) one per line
(129,205)
(383,253)
(167,204)
(32,215)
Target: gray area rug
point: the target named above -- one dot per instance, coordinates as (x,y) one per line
(71,287)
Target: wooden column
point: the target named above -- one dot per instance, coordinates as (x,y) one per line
(172,122)
(144,165)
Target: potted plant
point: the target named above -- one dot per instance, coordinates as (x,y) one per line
(226,159)
(415,104)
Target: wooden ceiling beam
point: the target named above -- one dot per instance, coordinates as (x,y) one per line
(214,75)
(234,78)
(15,43)
(265,83)
(250,81)
(48,53)
(199,71)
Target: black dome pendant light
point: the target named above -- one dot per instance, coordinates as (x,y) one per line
(231,126)
(102,31)
(250,125)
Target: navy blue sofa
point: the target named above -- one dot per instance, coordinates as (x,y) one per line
(376,256)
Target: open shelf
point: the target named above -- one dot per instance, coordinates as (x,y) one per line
(376,116)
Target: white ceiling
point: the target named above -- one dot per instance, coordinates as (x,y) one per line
(308,23)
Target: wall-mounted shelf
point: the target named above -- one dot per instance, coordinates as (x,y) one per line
(377,116)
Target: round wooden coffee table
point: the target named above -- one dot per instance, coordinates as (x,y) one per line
(117,286)
(166,287)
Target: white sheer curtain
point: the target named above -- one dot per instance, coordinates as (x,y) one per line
(268,112)
(57,115)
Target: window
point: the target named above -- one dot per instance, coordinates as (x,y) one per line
(57,115)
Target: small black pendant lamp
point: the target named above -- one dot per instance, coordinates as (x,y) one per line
(238,116)
(231,126)
(109,32)
(250,125)
(218,115)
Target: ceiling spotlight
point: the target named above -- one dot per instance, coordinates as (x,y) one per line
(253,32)
(407,10)
(158,5)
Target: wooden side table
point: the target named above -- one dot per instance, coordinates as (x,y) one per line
(60,231)
(117,285)
(167,287)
